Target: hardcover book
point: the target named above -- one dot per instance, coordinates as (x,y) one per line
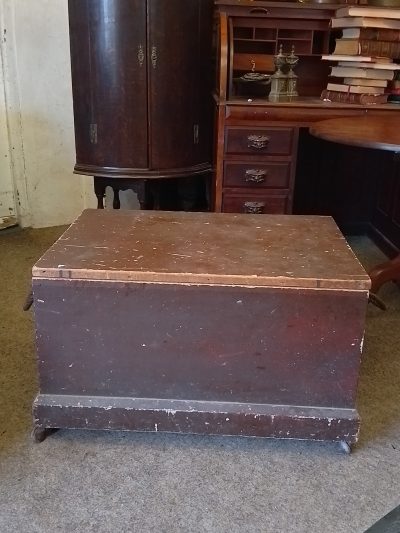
(354,72)
(368,11)
(367,47)
(372,34)
(353,98)
(354,88)
(364,22)
(365,82)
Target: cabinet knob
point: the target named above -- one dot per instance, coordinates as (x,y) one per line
(254,175)
(254,208)
(259,142)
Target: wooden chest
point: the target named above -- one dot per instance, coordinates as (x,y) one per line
(200,323)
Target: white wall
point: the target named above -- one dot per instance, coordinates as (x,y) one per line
(39,104)
(8,210)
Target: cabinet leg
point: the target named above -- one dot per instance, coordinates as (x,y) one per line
(100,192)
(141,194)
(116,201)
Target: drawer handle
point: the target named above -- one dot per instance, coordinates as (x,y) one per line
(254,208)
(254,175)
(260,10)
(259,142)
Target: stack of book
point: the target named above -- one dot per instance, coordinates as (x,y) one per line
(370,42)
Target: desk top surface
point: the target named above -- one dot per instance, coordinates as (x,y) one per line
(382,133)
(204,249)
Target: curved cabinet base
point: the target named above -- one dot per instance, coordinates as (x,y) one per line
(140,173)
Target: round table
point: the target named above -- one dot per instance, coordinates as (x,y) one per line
(381,133)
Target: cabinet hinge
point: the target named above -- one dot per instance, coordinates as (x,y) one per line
(196,134)
(93,133)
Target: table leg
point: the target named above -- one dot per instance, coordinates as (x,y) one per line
(387,271)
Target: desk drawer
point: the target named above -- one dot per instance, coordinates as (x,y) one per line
(256,174)
(266,141)
(260,203)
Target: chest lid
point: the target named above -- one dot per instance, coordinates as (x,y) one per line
(204,248)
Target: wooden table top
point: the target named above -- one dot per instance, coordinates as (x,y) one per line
(382,133)
(204,249)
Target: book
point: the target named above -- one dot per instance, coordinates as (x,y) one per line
(379,48)
(372,34)
(367,81)
(368,11)
(362,22)
(354,88)
(367,47)
(345,57)
(375,66)
(347,47)
(354,72)
(353,98)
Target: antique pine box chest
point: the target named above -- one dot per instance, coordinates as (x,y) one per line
(200,323)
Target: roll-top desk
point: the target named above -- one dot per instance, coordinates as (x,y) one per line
(262,148)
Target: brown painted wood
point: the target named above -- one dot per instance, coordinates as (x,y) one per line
(180,43)
(381,133)
(261,343)
(259,202)
(197,248)
(141,73)
(110,120)
(302,111)
(316,186)
(257,174)
(254,141)
(210,418)
(151,322)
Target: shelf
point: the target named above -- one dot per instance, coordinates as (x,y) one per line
(235,39)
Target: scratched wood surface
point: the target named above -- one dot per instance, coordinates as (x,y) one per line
(204,248)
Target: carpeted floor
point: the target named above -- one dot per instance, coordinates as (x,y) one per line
(103,482)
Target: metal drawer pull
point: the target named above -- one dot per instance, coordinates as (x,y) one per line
(254,175)
(258,141)
(254,208)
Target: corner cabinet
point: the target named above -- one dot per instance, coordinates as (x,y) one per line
(141,90)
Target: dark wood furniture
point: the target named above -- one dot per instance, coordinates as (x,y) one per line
(379,134)
(290,171)
(154,321)
(141,90)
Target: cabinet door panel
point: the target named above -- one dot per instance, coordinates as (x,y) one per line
(108,55)
(179,88)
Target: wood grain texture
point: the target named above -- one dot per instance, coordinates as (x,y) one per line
(205,248)
(141,82)
(381,133)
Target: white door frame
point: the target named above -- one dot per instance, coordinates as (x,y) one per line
(11,113)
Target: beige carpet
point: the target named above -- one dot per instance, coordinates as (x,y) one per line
(117,482)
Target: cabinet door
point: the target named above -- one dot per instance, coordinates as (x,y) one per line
(179,89)
(109,74)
